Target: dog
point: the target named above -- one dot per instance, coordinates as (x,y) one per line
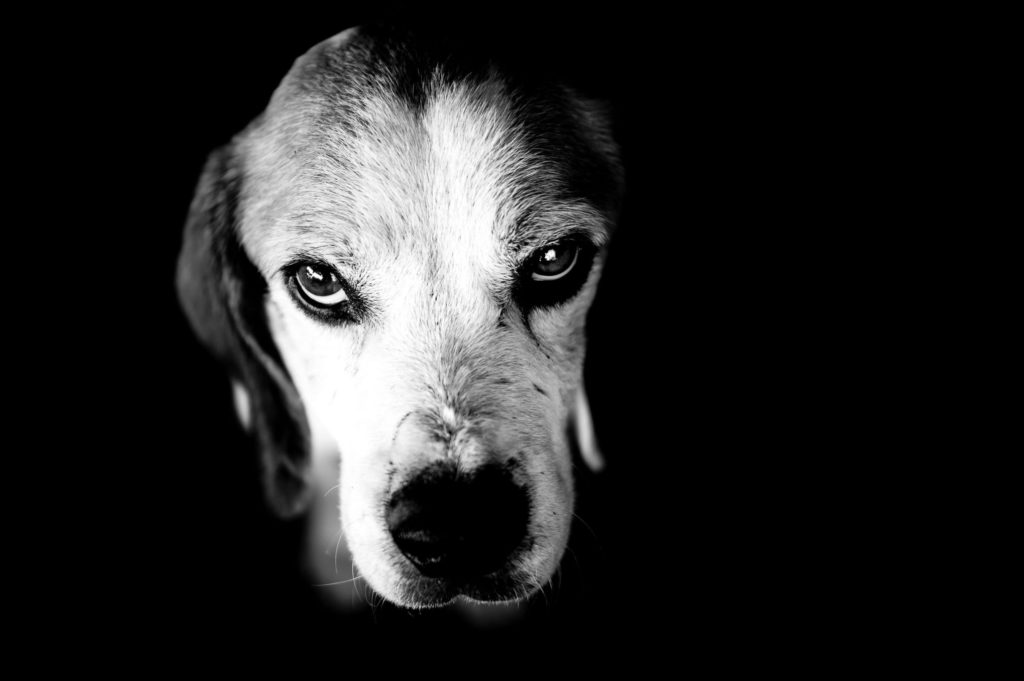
(395,261)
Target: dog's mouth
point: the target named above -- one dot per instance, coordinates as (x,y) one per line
(461,534)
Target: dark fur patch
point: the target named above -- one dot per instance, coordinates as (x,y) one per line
(569,137)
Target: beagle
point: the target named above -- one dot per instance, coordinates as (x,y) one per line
(395,261)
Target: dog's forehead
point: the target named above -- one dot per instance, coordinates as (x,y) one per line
(373,134)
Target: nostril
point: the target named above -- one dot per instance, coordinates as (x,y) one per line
(452,524)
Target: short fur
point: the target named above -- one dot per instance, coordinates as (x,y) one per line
(425,174)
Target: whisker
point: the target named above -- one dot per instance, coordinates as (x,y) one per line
(587,526)
(355,591)
(344,581)
(575,558)
(337,547)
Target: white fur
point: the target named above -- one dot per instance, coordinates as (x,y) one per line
(243,409)
(584,426)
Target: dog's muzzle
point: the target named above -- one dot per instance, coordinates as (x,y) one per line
(459,525)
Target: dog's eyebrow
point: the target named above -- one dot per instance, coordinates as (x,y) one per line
(537,227)
(317,235)
(318,244)
(332,256)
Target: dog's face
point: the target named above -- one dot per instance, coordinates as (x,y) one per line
(430,235)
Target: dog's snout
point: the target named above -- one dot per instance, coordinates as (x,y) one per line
(458,524)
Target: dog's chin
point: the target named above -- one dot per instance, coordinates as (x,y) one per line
(413,590)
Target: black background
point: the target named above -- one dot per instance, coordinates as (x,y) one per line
(706,379)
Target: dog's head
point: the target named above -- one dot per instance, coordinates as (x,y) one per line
(401,252)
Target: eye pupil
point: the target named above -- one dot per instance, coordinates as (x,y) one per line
(319,285)
(319,282)
(554,261)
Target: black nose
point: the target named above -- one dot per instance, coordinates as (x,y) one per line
(459,524)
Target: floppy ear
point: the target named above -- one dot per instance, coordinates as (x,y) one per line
(223,296)
(582,431)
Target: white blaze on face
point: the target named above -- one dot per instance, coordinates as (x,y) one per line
(471,144)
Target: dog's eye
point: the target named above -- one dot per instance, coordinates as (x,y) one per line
(320,285)
(554,261)
(320,292)
(555,273)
